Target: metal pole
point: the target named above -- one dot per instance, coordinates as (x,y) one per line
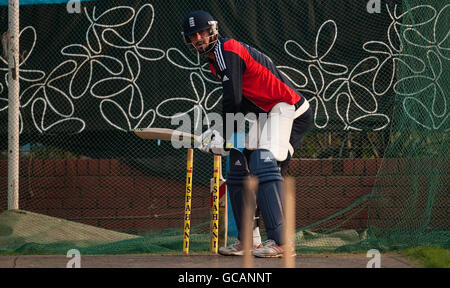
(13,104)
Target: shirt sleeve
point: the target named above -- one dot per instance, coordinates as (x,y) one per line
(232,86)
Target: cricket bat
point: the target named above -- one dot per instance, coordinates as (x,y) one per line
(165,134)
(223,206)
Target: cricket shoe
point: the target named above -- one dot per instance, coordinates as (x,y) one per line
(236,249)
(270,250)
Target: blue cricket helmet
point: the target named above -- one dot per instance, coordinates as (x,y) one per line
(197,21)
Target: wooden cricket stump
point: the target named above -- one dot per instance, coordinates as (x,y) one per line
(248,212)
(289,227)
(187,200)
(215,207)
(223,205)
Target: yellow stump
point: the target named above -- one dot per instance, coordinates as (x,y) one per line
(215,206)
(188,198)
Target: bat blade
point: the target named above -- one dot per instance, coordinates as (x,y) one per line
(164,134)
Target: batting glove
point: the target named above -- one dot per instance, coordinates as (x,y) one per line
(213,143)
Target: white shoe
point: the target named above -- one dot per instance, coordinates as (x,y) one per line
(270,250)
(235,249)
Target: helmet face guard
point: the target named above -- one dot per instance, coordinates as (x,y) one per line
(198,21)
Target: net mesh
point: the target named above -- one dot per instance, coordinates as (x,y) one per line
(372,172)
(410,198)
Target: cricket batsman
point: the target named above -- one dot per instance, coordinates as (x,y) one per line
(251,84)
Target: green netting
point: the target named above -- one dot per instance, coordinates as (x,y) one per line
(373,171)
(23,232)
(409,204)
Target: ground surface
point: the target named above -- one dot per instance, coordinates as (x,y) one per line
(389,260)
